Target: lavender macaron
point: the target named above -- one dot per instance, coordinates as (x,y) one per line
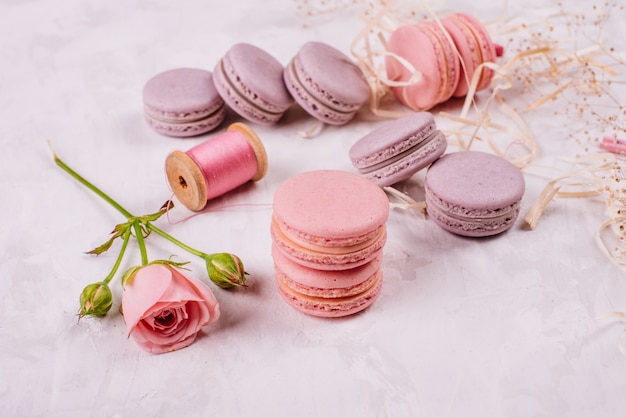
(250,81)
(398,149)
(182,102)
(473,193)
(326,83)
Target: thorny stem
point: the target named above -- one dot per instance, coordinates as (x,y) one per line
(110,276)
(90,186)
(140,242)
(175,241)
(136,224)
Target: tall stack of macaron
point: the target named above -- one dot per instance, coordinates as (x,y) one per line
(328,232)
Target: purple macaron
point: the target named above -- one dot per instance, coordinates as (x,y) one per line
(250,81)
(326,83)
(473,193)
(182,102)
(398,149)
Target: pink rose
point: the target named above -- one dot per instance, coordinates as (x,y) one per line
(164,310)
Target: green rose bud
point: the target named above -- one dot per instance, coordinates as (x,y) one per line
(225,270)
(96,300)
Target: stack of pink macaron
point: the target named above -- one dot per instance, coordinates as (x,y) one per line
(447,53)
(325,82)
(328,232)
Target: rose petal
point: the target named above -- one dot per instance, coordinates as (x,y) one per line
(158,290)
(143,291)
(149,341)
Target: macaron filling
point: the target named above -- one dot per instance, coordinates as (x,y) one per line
(255,99)
(473,193)
(239,102)
(466,214)
(401,151)
(324,245)
(332,307)
(185,116)
(309,101)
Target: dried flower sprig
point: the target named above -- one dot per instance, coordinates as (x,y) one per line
(224,269)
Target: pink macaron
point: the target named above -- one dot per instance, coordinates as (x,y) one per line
(326,83)
(329,219)
(447,53)
(473,193)
(182,102)
(398,149)
(250,81)
(429,51)
(328,232)
(327,293)
(475,48)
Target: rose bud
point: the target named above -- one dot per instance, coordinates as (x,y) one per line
(164,310)
(95,300)
(226,270)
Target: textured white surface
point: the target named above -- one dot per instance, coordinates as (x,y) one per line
(509,326)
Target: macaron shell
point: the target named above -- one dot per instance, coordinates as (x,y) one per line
(325,283)
(331,307)
(187,129)
(391,138)
(251,83)
(326,83)
(406,167)
(486,45)
(468,49)
(181,95)
(476,189)
(451,63)
(310,103)
(423,50)
(258,76)
(330,207)
(335,257)
(331,76)
(398,149)
(479,227)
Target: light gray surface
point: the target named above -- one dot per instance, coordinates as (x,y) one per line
(512,326)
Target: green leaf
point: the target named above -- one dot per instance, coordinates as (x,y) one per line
(154,216)
(171,263)
(102,248)
(128,274)
(118,231)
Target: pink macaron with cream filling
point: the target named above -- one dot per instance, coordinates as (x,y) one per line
(425,46)
(328,232)
(327,293)
(329,219)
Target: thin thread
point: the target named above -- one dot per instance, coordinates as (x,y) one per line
(227,161)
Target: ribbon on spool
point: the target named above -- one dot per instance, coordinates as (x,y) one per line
(216,166)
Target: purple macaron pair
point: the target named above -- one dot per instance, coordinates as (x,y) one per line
(322,80)
(469,193)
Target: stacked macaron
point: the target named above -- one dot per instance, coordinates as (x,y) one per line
(328,232)
(398,149)
(447,53)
